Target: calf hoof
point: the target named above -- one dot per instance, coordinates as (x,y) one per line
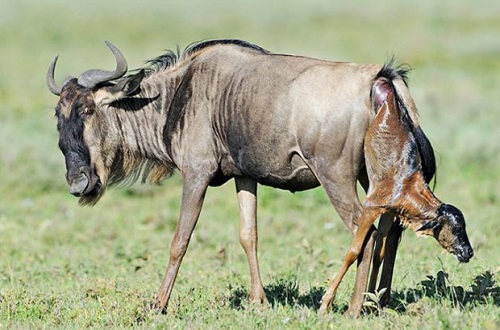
(155,307)
(324,309)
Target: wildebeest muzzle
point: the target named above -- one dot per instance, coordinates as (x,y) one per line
(82,181)
(454,219)
(464,252)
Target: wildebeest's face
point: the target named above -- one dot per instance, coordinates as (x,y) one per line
(84,134)
(449,230)
(85,138)
(74,110)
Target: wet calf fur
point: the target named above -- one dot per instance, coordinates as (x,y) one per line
(398,187)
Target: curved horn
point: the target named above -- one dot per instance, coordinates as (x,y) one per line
(91,78)
(51,83)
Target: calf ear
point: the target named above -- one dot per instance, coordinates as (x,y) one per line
(429,225)
(125,87)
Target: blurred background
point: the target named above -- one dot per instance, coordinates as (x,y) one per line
(453,48)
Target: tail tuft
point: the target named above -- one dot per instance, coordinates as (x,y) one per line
(392,72)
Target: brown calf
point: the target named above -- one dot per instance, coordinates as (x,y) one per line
(398,187)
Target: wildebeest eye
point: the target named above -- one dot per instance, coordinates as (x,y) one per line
(88,111)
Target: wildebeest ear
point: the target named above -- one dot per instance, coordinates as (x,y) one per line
(125,87)
(129,85)
(429,225)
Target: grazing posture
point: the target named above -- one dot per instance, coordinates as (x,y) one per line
(398,184)
(224,109)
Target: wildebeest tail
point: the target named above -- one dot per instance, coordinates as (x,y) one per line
(396,79)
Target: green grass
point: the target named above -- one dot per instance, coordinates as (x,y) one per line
(65,266)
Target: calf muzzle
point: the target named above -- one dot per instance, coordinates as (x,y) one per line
(464,252)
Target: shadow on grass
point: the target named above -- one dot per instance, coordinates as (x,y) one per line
(284,292)
(483,291)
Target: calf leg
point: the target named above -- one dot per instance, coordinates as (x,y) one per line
(341,191)
(363,267)
(345,200)
(385,223)
(341,197)
(247,199)
(368,217)
(378,257)
(357,298)
(392,243)
(193,194)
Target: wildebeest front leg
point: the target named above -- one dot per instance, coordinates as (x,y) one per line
(193,194)
(368,217)
(247,200)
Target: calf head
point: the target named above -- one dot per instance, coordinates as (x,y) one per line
(84,137)
(449,230)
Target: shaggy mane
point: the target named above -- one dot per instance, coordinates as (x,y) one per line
(170,58)
(128,169)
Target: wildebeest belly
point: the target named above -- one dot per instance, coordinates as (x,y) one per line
(289,172)
(293,175)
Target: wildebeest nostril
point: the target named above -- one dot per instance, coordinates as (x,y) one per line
(78,185)
(469,251)
(464,254)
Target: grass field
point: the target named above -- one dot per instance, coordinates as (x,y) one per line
(64,266)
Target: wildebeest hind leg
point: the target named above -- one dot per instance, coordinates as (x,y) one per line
(247,200)
(365,228)
(193,194)
(345,199)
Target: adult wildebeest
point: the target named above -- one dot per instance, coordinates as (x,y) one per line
(226,109)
